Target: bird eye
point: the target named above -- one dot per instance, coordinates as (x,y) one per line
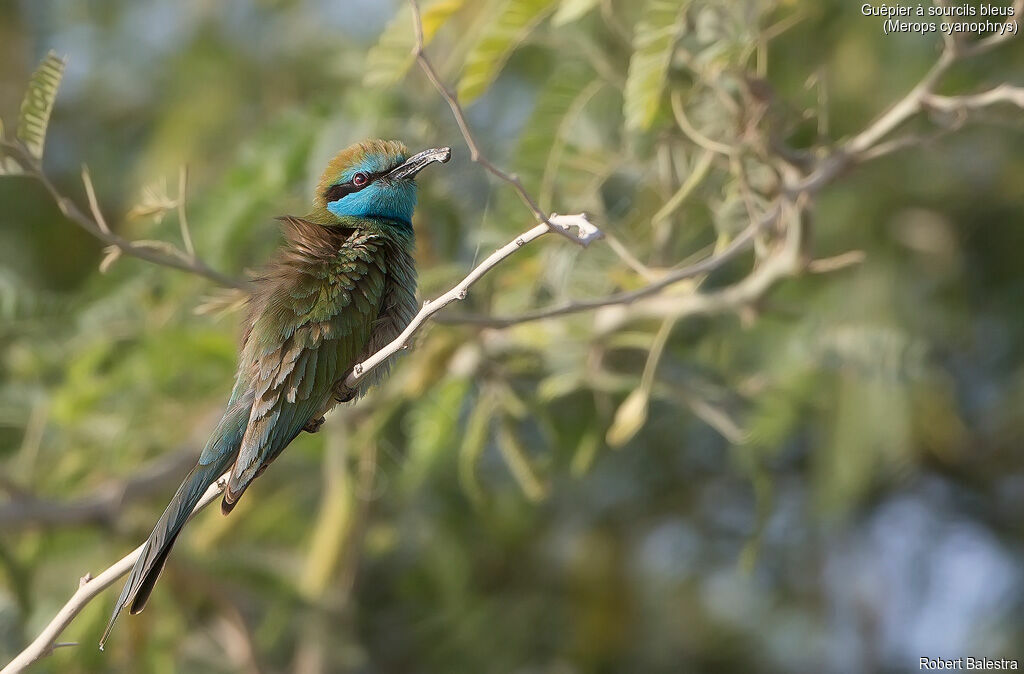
(359,179)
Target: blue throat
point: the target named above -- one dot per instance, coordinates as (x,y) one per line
(392,200)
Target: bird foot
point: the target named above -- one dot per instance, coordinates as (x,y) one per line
(343,393)
(313,425)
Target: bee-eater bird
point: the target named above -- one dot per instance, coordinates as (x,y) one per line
(342,286)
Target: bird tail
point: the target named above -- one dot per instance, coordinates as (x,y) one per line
(149,564)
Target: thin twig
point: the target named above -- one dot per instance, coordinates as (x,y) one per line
(923,94)
(994,40)
(698,138)
(88,589)
(94,205)
(1002,94)
(863,147)
(25,510)
(168,256)
(419,51)
(186,233)
(737,246)
(827,265)
(697,175)
(558,223)
(626,256)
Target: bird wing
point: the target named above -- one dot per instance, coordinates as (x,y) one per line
(312,328)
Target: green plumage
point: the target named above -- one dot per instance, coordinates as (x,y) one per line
(342,286)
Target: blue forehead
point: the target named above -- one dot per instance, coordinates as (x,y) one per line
(372,163)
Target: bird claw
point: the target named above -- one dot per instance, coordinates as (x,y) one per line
(343,393)
(313,425)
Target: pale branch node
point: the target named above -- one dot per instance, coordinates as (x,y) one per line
(89,588)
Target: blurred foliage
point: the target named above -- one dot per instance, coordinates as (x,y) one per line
(815,485)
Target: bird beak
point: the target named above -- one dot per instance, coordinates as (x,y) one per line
(420,161)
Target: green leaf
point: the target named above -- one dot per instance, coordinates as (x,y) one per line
(388,60)
(586,452)
(500,38)
(38,103)
(570,10)
(558,106)
(630,417)
(653,40)
(519,464)
(474,442)
(433,425)
(9,167)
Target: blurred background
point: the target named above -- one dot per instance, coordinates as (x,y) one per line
(828,480)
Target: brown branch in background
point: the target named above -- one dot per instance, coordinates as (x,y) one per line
(710,264)
(1001,94)
(157,252)
(25,510)
(997,38)
(865,146)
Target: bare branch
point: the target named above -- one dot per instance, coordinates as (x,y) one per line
(89,588)
(923,94)
(785,262)
(626,256)
(97,227)
(1002,94)
(737,246)
(827,265)
(562,224)
(186,233)
(904,109)
(698,138)
(419,51)
(867,145)
(94,205)
(995,39)
(25,510)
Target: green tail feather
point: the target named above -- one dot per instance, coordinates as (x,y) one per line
(215,460)
(147,568)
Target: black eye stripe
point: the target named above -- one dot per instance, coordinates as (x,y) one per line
(335,192)
(342,190)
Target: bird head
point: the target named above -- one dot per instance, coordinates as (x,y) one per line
(373,179)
